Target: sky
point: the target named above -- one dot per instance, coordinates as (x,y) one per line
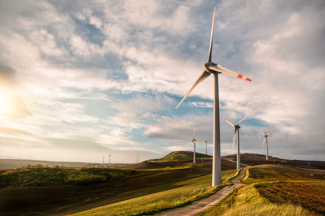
(80,80)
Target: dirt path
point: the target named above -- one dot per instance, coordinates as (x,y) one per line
(206,203)
(236,162)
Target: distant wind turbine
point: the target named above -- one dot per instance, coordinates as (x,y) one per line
(265,139)
(195,143)
(236,127)
(213,68)
(206,143)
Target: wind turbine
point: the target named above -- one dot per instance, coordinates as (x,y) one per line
(213,68)
(206,143)
(265,139)
(237,131)
(195,143)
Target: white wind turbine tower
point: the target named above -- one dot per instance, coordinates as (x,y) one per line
(195,143)
(206,143)
(236,127)
(265,139)
(213,68)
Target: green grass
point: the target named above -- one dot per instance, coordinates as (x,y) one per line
(39,175)
(271,173)
(184,192)
(68,199)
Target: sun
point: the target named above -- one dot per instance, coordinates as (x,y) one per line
(4,104)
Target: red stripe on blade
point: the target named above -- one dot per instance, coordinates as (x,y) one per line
(239,76)
(248,79)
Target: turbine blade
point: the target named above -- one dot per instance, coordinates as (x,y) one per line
(219,68)
(194,133)
(263,142)
(211,37)
(203,76)
(244,118)
(196,143)
(262,132)
(206,139)
(233,143)
(188,143)
(269,132)
(229,122)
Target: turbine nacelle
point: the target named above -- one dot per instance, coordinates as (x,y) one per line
(236,126)
(208,65)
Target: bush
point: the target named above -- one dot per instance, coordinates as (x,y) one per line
(85,179)
(28,166)
(38,166)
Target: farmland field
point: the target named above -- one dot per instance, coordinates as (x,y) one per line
(310,195)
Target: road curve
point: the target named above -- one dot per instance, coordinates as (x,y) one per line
(205,203)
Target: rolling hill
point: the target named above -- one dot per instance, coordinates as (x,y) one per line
(180,156)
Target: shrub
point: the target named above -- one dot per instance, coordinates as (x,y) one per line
(85,179)
(38,166)
(28,166)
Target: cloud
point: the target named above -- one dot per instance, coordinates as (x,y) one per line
(144,104)
(5,130)
(202,104)
(177,148)
(62,58)
(7,77)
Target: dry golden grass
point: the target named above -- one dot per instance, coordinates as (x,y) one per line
(276,190)
(248,201)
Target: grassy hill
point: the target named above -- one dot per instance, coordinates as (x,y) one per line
(268,190)
(180,156)
(60,198)
(286,188)
(259,159)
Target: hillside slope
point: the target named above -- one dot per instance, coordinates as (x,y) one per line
(180,156)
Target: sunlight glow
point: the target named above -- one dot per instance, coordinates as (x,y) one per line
(4,104)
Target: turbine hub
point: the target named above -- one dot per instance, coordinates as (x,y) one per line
(207,65)
(237,126)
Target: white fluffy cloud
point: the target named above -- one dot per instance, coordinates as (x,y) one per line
(69,62)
